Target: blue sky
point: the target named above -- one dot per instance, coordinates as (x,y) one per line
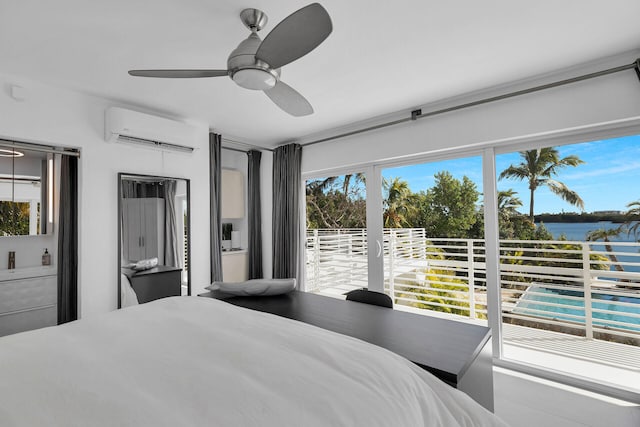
(609,179)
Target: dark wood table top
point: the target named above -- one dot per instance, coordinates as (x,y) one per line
(445,348)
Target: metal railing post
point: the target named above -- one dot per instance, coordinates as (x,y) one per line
(316,259)
(392,250)
(586,278)
(471,279)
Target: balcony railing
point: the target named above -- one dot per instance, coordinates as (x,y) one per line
(579,288)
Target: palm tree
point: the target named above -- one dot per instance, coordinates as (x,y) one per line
(397,202)
(633,217)
(358,177)
(538,167)
(604,234)
(508,202)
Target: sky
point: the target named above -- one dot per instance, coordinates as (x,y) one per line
(608,180)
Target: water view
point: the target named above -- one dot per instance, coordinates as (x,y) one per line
(577,231)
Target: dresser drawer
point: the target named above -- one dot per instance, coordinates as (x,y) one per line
(27,320)
(23,294)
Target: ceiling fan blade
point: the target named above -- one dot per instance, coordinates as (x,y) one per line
(294,37)
(178,74)
(289,100)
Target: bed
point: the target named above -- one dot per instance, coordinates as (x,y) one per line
(188,361)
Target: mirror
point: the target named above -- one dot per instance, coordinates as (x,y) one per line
(154,250)
(26,191)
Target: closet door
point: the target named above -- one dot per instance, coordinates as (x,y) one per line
(132,212)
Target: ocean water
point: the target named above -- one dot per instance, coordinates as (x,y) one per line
(578,230)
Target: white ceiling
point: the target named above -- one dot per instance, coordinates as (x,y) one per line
(382,56)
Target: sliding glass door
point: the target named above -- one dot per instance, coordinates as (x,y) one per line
(538,242)
(570,259)
(434,238)
(336,234)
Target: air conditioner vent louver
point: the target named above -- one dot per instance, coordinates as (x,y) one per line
(132,127)
(151,143)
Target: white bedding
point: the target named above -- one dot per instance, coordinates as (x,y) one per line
(189,361)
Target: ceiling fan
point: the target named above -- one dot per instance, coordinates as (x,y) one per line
(255,64)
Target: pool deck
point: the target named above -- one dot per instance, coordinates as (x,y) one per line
(603,361)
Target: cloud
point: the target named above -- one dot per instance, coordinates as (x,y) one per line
(611,170)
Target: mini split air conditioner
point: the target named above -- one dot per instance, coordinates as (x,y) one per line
(131,127)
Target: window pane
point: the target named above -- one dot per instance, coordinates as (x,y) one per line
(336,238)
(434,238)
(570,258)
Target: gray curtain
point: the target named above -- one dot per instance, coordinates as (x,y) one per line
(68,241)
(255,215)
(171,251)
(215,184)
(287,182)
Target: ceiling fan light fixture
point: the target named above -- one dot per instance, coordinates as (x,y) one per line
(254,79)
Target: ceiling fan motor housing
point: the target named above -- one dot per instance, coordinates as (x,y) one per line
(246,70)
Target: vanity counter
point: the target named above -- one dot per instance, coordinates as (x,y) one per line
(27,272)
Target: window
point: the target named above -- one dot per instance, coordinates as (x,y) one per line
(336,234)
(434,238)
(570,258)
(557,278)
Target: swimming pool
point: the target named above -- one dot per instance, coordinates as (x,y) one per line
(536,302)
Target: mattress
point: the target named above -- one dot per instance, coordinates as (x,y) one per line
(189,361)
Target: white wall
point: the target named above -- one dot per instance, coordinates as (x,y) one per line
(599,101)
(28,249)
(58,116)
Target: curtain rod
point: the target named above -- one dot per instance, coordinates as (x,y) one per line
(240,150)
(6,143)
(234,149)
(418,114)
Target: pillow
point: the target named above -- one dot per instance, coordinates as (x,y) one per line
(255,287)
(145,264)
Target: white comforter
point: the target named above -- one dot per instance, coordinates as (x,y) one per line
(188,361)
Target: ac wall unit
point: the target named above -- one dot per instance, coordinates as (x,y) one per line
(131,127)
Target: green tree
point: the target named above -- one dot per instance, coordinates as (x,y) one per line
(538,168)
(397,203)
(14,218)
(508,203)
(330,206)
(449,208)
(357,178)
(513,224)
